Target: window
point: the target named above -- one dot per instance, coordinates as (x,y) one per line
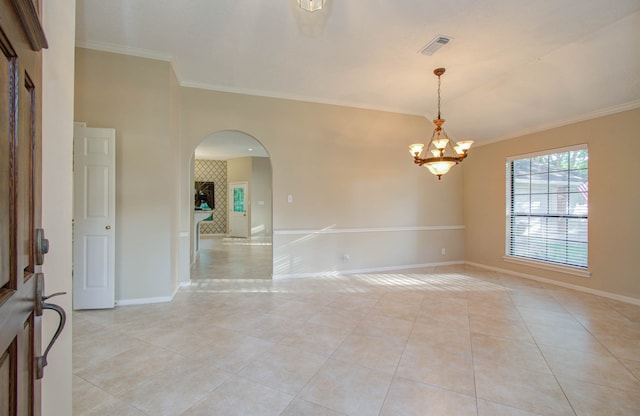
(547,207)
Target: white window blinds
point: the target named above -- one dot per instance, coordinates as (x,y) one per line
(547,206)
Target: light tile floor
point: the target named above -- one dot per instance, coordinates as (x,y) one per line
(447,341)
(234,258)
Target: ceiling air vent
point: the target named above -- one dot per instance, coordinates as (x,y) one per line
(437,43)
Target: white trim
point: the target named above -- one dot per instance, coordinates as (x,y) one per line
(581,146)
(369,230)
(631,105)
(540,264)
(150,54)
(579,288)
(125,50)
(367,270)
(294,97)
(184,234)
(143,301)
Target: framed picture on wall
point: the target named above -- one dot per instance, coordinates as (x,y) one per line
(204,195)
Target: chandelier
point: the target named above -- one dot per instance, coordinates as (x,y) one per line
(445,153)
(311,5)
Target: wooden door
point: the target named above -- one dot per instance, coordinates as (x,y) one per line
(21,39)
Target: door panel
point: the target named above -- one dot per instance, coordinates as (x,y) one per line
(94,217)
(25,178)
(20,156)
(238,210)
(96,251)
(5,169)
(6,380)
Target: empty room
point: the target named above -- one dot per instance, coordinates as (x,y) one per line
(329,207)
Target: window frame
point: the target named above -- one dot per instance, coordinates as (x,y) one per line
(543,263)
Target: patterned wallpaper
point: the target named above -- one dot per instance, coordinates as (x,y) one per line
(214,171)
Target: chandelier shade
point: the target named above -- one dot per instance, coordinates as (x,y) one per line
(442,153)
(311,5)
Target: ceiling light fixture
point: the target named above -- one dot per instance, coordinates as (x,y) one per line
(311,5)
(445,152)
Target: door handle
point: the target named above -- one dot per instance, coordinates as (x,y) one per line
(41,361)
(42,246)
(41,305)
(108,227)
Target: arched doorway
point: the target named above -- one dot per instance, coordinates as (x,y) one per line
(228,165)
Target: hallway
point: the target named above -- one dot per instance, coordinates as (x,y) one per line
(223,257)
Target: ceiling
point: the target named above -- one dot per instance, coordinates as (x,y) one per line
(513,66)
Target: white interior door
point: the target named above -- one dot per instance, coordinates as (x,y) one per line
(238,210)
(94,175)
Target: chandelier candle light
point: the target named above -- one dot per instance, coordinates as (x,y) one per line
(445,152)
(311,5)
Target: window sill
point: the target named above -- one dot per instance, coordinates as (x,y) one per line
(576,271)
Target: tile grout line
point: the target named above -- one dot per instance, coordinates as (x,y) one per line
(564,393)
(473,359)
(404,349)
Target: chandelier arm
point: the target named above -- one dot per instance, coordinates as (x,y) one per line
(421,161)
(433,135)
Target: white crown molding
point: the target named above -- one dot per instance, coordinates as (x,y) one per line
(146,53)
(126,50)
(293,97)
(631,105)
(150,54)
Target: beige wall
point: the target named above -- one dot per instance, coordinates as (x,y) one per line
(260,185)
(349,171)
(139,98)
(354,188)
(57,183)
(239,169)
(174,183)
(614,201)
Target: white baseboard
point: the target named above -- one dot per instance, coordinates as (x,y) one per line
(143,301)
(579,288)
(367,270)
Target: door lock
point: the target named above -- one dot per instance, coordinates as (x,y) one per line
(42,246)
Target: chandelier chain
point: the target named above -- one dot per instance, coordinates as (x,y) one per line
(439,96)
